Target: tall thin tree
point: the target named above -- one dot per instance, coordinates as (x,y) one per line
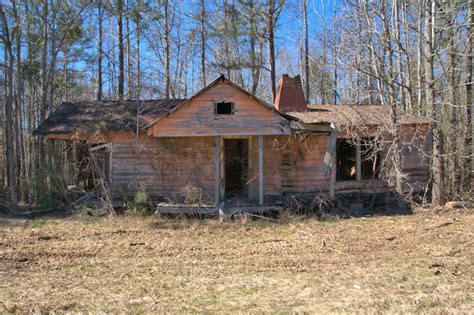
(7,39)
(437,168)
(121,79)
(100,51)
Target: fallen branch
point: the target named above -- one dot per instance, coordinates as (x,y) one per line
(260,216)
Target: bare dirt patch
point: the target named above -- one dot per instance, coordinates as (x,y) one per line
(417,263)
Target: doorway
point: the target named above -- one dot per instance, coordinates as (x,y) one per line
(236,163)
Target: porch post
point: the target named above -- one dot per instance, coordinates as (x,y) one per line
(358,163)
(332,179)
(330,160)
(260,170)
(217,175)
(111,154)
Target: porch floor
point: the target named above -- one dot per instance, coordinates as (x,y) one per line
(228,207)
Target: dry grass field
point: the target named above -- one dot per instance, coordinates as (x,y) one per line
(415,263)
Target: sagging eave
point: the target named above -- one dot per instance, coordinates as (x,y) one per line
(91,138)
(67,136)
(298,126)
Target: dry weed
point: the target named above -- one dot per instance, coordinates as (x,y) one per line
(415,263)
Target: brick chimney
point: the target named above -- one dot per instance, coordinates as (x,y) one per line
(290,95)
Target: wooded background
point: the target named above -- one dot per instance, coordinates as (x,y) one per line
(413,55)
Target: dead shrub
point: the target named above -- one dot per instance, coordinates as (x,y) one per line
(318,205)
(191,194)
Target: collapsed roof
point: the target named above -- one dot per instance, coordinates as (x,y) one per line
(93,116)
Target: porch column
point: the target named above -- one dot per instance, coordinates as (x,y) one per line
(260,170)
(330,160)
(358,163)
(111,153)
(332,178)
(217,175)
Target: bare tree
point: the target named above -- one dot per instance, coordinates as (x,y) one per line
(99,51)
(306,48)
(274,8)
(470,100)
(202,20)
(121,79)
(437,168)
(167,48)
(7,38)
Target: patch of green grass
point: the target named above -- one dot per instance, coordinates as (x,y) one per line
(39,223)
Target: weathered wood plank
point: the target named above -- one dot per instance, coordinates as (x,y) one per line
(332,183)
(328,156)
(358,160)
(217,170)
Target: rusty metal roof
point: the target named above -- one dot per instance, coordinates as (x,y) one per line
(95,116)
(354,115)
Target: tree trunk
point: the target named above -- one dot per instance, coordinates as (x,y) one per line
(409,81)
(452,169)
(254,57)
(121,52)
(374,62)
(437,169)
(138,39)
(470,102)
(32,110)
(99,52)
(44,63)
(130,90)
(202,19)
(419,65)
(306,49)
(398,38)
(334,54)
(20,113)
(167,51)
(9,132)
(389,78)
(274,8)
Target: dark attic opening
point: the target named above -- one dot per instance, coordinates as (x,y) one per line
(236,159)
(224,108)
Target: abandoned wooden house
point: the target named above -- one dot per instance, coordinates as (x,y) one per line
(235,149)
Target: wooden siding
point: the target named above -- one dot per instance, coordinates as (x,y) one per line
(271,167)
(197,118)
(302,164)
(415,152)
(162,166)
